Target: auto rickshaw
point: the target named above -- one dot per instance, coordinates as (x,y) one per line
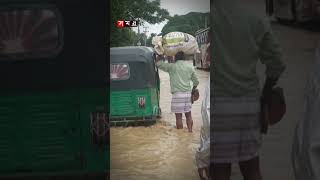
(134,86)
(53,101)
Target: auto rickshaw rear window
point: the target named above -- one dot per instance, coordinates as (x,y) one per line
(30,32)
(119,71)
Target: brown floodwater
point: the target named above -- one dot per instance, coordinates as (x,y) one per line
(160,151)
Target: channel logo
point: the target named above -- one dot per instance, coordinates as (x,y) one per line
(122,23)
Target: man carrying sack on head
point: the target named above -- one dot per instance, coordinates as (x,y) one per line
(242,37)
(181,74)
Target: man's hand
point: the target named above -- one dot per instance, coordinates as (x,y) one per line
(192,92)
(265,100)
(204,173)
(194,95)
(267,89)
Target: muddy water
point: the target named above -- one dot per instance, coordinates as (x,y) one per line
(160,151)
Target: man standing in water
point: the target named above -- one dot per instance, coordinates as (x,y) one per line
(181,75)
(241,37)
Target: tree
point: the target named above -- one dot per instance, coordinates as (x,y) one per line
(142,10)
(188,23)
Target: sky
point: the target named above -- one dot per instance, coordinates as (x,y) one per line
(179,7)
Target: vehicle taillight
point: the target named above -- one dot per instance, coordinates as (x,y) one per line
(99,127)
(141,102)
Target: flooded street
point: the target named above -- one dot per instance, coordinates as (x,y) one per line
(159,151)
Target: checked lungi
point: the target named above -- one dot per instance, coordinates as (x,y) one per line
(181,102)
(235,129)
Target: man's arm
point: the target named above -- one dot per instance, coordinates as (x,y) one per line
(270,52)
(194,79)
(162,65)
(270,55)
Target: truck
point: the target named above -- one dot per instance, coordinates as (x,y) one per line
(298,11)
(202,60)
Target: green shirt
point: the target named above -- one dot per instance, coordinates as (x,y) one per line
(241,37)
(181,75)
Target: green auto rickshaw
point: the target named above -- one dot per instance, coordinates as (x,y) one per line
(134,86)
(53,100)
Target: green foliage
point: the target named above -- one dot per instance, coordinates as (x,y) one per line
(142,10)
(123,37)
(188,23)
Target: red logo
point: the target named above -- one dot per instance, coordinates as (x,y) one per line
(125,23)
(120,24)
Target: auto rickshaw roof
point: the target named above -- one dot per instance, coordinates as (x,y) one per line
(132,54)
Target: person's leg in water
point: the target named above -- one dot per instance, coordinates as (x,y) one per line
(250,169)
(220,171)
(179,123)
(189,121)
